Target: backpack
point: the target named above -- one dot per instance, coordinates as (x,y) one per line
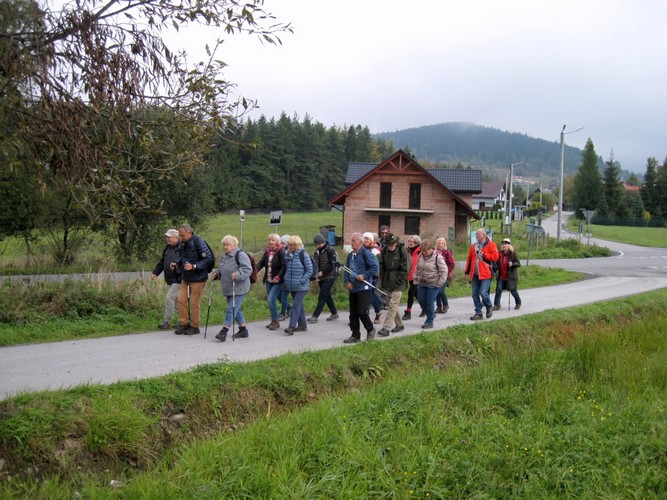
(211,261)
(253,274)
(313,275)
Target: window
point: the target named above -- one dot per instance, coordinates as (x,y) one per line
(415,197)
(385,195)
(412,224)
(383,220)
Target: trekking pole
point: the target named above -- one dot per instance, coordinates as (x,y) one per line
(208,312)
(509,298)
(352,273)
(233,307)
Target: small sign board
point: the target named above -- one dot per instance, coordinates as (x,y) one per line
(276,217)
(242,215)
(588,214)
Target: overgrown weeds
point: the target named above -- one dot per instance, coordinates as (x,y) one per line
(535,406)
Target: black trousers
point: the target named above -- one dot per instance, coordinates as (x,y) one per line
(359,305)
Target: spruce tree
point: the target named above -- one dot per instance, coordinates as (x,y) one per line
(588,181)
(649,190)
(613,190)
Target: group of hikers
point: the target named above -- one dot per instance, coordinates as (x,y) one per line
(376,272)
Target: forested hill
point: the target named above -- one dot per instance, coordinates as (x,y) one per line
(484,147)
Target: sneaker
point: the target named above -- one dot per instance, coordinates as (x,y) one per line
(312,319)
(488,312)
(282,317)
(427,325)
(165,325)
(397,329)
(422,314)
(242,333)
(407,315)
(351,340)
(193,330)
(476,317)
(378,318)
(383,332)
(301,328)
(370,334)
(496,308)
(518,306)
(289,331)
(332,317)
(274,325)
(222,334)
(181,329)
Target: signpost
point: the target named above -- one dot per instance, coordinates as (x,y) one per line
(276,218)
(589,215)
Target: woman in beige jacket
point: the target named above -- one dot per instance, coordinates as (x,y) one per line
(430,275)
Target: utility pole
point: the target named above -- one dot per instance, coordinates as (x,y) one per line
(509,199)
(560,193)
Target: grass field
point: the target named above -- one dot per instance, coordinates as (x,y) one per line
(642,236)
(563,404)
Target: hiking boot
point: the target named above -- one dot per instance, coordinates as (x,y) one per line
(496,308)
(476,317)
(383,332)
(488,312)
(288,313)
(370,334)
(332,317)
(242,333)
(518,306)
(445,309)
(282,317)
(193,330)
(181,329)
(406,315)
(351,340)
(301,328)
(165,325)
(378,318)
(289,331)
(438,310)
(397,329)
(312,319)
(422,314)
(427,325)
(222,334)
(274,325)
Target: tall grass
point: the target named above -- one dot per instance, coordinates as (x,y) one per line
(540,407)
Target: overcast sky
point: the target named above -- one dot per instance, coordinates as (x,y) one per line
(527,66)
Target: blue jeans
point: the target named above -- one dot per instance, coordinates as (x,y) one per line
(284,302)
(441,299)
(325,297)
(480,294)
(234,310)
(273,291)
(426,296)
(298,317)
(500,286)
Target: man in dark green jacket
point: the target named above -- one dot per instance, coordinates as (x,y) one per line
(394,266)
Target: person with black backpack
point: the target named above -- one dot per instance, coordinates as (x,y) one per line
(196,262)
(234,272)
(325,259)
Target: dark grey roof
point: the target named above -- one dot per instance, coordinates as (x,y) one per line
(356,170)
(454,179)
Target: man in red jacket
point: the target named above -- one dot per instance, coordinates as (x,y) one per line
(482,254)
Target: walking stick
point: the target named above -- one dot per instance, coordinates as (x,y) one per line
(233,308)
(208,312)
(509,298)
(352,273)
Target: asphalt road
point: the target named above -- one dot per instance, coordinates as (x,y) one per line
(39,367)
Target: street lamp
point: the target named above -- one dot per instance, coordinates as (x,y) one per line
(509,198)
(560,193)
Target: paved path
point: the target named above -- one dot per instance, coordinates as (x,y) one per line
(152,354)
